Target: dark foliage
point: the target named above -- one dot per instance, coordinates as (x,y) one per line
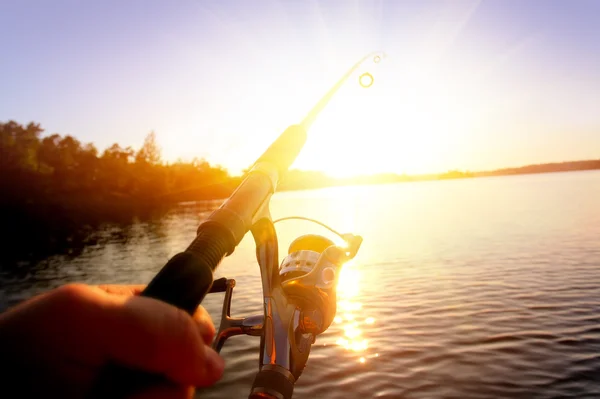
(55,190)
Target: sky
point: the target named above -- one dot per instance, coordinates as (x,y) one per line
(471,85)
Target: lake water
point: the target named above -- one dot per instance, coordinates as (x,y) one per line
(477,288)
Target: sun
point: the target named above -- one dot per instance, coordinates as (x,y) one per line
(382,126)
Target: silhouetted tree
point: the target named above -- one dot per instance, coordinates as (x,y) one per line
(150,151)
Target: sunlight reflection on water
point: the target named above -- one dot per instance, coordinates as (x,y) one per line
(350,315)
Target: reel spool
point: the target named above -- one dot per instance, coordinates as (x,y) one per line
(308,278)
(303,255)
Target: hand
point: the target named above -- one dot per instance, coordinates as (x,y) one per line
(56,344)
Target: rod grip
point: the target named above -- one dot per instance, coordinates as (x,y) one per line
(183,282)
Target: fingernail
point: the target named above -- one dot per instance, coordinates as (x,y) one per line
(214,364)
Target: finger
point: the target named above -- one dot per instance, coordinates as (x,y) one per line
(205,325)
(128,290)
(151,335)
(166,391)
(201,316)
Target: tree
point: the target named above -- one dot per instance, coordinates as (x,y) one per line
(70,149)
(150,151)
(48,152)
(18,145)
(118,154)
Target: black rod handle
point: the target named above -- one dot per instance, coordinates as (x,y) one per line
(183,282)
(188,276)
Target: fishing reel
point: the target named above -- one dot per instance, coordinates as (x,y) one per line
(299,303)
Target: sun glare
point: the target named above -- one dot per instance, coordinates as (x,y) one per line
(387,118)
(385,124)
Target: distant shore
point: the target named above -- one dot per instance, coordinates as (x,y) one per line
(305,180)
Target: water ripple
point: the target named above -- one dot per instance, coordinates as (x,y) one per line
(450,297)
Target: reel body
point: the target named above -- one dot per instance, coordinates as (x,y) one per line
(299,303)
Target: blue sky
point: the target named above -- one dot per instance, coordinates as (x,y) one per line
(466,84)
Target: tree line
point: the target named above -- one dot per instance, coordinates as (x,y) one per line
(55,186)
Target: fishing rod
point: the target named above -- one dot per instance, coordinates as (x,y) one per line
(299,297)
